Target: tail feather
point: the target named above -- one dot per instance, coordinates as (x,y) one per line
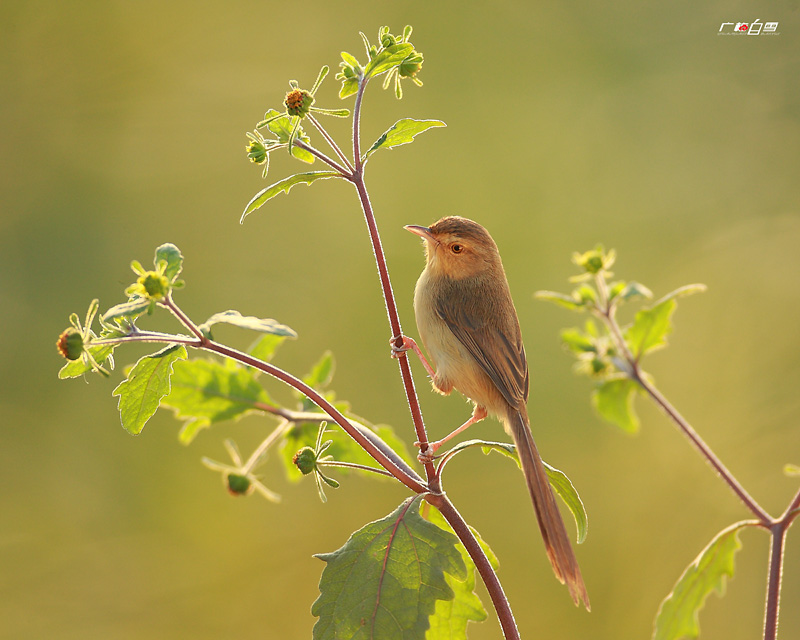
(554,533)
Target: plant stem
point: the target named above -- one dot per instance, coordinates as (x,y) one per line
(482,564)
(331,142)
(704,449)
(606,312)
(778,531)
(386,286)
(326,159)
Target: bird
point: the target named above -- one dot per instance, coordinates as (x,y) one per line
(469,327)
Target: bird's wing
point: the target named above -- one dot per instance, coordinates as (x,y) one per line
(497,349)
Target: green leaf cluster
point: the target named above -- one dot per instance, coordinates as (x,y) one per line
(607,353)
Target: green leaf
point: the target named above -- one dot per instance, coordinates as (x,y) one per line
(148,382)
(678,615)
(650,328)
(171,255)
(264,325)
(450,618)
(385,581)
(77,368)
(613,400)
(283,126)
(402,132)
(652,325)
(349,87)
(577,341)
(265,347)
(566,491)
(350,60)
(283,186)
(390,57)
(321,373)
(205,392)
(559,481)
(561,300)
(130,309)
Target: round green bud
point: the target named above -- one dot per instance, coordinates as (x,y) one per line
(305,460)
(70,344)
(238,485)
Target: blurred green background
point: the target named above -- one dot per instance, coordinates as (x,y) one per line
(569,124)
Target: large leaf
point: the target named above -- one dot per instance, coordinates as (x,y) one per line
(264,348)
(559,481)
(130,309)
(205,392)
(148,382)
(390,57)
(678,614)
(384,582)
(613,400)
(402,132)
(450,618)
(263,325)
(283,186)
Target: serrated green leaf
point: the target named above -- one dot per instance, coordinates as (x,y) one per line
(205,392)
(284,186)
(385,581)
(147,383)
(402,132)
(265,347)
(678,615)
(263,325)
(559,481)
(130,309)
(561,300)
(613,400)
(450,618)
(650,328)
(390,57)
(171,255)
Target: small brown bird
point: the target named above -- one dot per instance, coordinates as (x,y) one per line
(469,327)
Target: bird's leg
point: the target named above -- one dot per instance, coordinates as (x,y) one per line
(408,343)
(427,456)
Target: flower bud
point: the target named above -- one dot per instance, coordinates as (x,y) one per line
(298,102)
(70,344)
(411,65)
(238,485)
(154,285)
(256,151)
(305,460)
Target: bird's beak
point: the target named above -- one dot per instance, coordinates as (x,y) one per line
(422,232)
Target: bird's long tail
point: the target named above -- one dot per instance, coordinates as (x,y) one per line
(551,524)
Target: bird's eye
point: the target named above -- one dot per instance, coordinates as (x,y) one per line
(456,248)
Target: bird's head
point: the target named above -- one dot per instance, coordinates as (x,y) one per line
(457,247)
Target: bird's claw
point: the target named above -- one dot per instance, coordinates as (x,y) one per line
(407,343)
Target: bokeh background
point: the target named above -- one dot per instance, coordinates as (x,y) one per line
(633,124)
